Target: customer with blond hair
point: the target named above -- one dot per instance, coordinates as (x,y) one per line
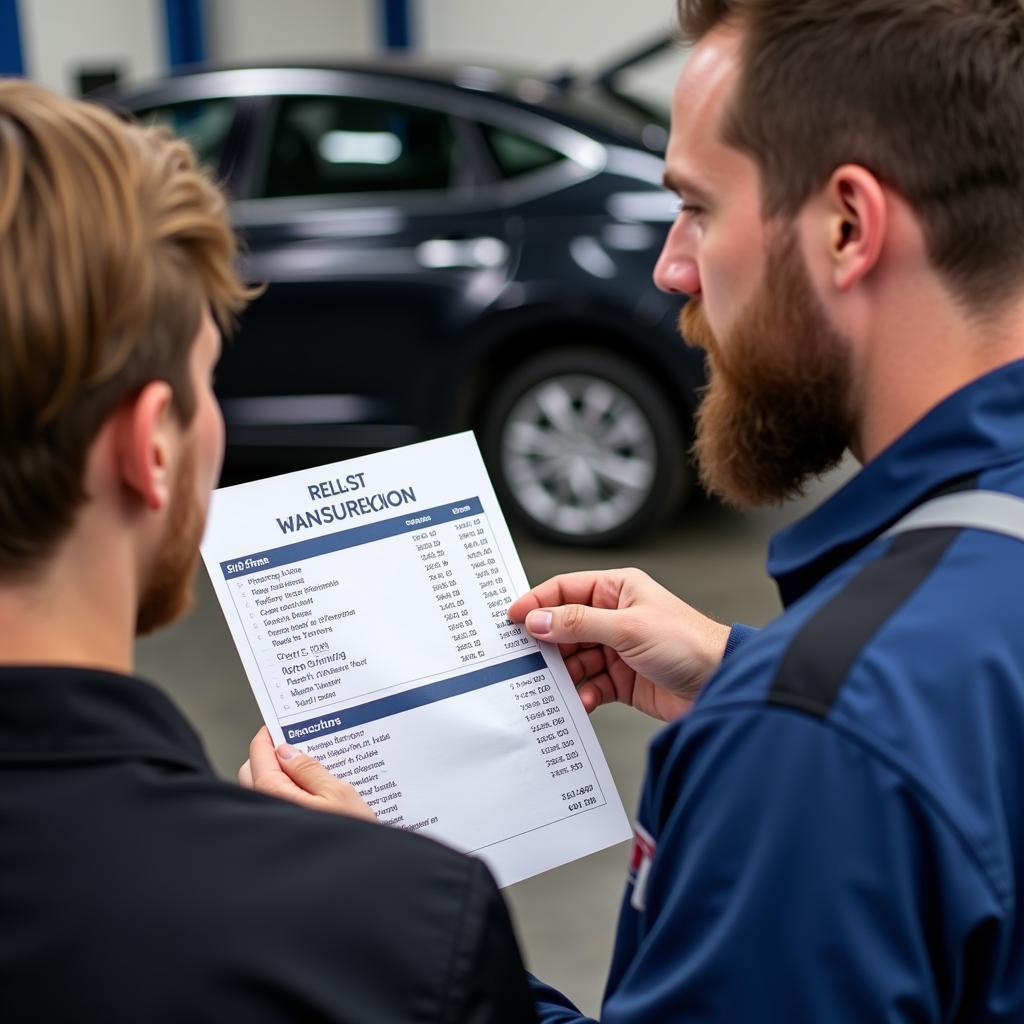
(135,885)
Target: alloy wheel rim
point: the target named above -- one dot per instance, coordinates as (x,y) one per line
(579,454)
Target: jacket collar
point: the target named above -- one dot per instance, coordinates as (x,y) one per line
(978,427)
(50,714)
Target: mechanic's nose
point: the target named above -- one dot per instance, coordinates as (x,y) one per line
(676,269)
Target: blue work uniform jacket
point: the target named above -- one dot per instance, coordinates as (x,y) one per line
(836,832)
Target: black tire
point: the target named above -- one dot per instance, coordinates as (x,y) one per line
(651,463)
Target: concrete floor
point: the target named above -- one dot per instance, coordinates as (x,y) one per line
(713,558)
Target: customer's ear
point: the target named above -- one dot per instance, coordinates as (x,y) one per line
(147,438)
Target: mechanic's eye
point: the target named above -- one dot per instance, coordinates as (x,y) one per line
(682,207)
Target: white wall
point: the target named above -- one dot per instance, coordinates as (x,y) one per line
(553,35)
(264,30)
(59,37)
(537,33)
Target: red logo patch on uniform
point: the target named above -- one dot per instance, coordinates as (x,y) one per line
(640,865)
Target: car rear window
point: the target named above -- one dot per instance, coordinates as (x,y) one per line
(322,145)
(205,124)
(517,154)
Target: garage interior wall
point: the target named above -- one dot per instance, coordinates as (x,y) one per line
(538,33)
(267,30)
(63,37)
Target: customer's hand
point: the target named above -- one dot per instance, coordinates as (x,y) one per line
(291,775)
(625,638)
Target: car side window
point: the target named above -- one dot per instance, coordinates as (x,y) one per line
(325,145)
(516,154)
(205,124)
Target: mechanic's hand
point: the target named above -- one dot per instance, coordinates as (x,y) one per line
(291,775)
(625,638)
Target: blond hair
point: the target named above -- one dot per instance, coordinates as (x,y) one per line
(112,241)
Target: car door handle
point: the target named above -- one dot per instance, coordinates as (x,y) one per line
(484,252)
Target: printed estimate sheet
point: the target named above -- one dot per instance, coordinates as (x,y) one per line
(368,603)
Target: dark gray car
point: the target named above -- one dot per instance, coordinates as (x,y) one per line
(452,248)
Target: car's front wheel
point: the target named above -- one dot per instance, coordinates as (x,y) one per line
(585,448)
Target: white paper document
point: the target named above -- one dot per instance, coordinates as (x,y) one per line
(368,603)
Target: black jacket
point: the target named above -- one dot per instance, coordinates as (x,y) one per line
(137,886)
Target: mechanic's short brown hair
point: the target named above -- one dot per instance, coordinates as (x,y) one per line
(927,94)
(111,243)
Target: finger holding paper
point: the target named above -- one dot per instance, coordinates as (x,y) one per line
(625,638)
(289,774)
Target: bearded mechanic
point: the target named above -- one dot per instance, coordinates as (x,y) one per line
(832,826)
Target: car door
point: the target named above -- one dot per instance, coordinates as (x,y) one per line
(366,224)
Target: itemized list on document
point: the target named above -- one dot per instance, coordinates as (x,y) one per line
(368,603)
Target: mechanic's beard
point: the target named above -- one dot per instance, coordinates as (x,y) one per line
(776,409)
(168,593)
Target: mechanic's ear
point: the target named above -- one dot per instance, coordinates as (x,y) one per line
(858,214)
(146,442)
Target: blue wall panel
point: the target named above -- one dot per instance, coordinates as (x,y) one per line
(11,60)
(185,39)
(396,24)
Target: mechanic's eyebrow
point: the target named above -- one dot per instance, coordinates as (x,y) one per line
(683,186)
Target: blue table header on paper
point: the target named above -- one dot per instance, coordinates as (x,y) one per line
(422,519)
(431,693)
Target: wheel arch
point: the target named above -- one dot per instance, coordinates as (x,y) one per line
(514,341)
